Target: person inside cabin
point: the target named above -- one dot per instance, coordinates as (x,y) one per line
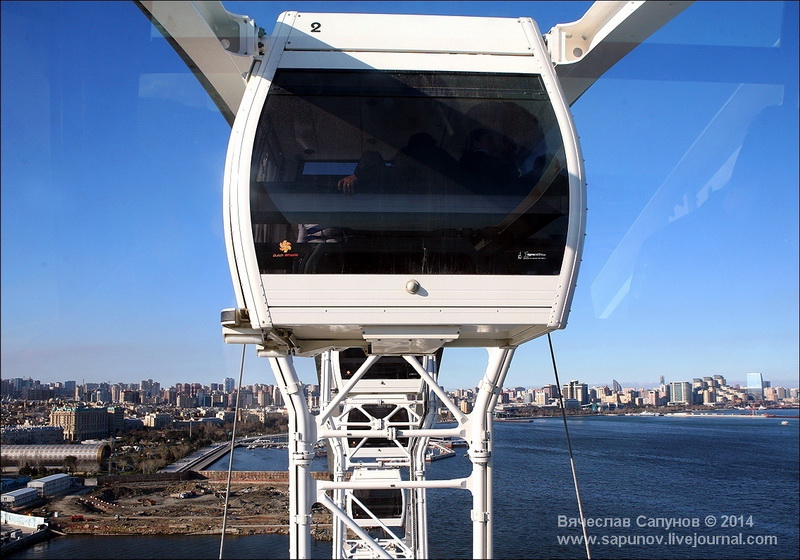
(419,165)
(488,163)
(371,169)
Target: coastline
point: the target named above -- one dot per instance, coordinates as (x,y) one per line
(26,540)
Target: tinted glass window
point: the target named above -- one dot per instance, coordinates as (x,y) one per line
(387,367)
(375,172)
(382,503)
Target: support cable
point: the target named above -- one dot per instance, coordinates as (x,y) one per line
(569,446)
(230,456)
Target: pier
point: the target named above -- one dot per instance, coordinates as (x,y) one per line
(20,531)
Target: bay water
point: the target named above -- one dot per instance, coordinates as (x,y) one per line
(721,486)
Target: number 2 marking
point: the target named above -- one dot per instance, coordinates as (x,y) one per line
(315,27)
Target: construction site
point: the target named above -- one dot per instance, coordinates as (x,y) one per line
(258,504)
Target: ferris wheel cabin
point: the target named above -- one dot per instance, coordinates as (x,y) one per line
(399,184)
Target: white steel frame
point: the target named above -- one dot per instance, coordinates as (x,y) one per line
(307,428)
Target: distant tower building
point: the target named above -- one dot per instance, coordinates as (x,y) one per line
(698,386)
(616,386)
(264,397)
(171,396)
(576,390)
(680,392)
(755,385)
(550,391)
(277,396)
(246,398)
(230,384)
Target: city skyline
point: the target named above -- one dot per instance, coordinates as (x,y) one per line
(308,376)
(229,384)
(113,259)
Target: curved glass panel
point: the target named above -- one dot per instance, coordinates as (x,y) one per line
(388,367)
(374,172)
(384,504)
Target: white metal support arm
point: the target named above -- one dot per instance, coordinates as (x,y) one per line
(584,50)
(216,45)
(219,47)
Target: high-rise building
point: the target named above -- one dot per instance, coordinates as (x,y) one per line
(576,390)
(550,391)
(680,392)
(653,397)
(277,396)
(264,397)
(755,385)
(170,396)
(230,384)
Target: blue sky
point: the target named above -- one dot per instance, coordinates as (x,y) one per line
(113,260)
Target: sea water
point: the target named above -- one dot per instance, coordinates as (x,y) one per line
(651,487)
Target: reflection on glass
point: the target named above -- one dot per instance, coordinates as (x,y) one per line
(371,172)
(384,504)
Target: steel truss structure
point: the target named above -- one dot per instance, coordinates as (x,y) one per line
(377,431)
